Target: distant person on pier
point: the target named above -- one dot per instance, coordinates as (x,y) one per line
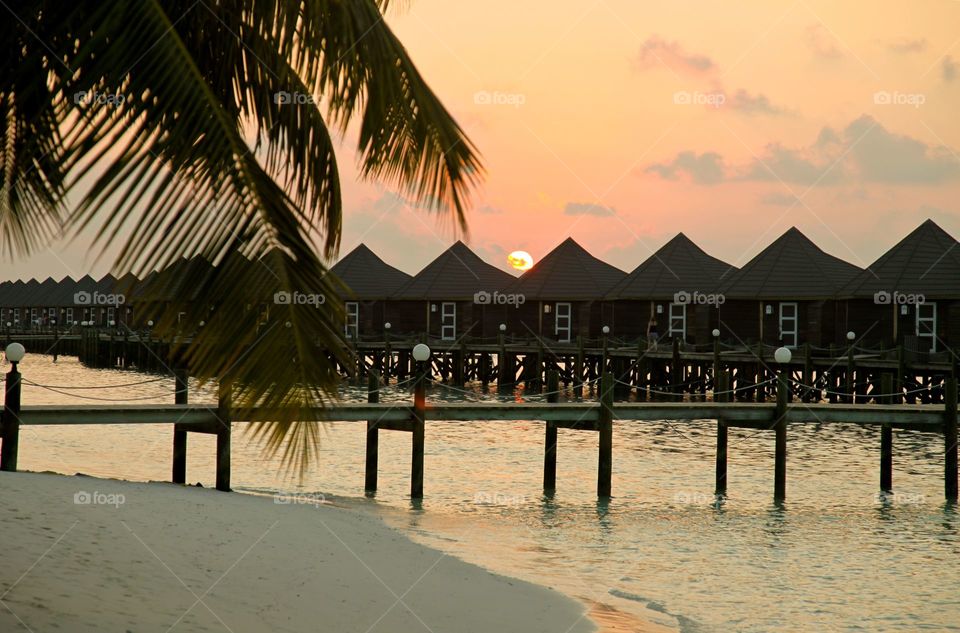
(652,334)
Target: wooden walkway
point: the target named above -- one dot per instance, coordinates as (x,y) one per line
(598,417)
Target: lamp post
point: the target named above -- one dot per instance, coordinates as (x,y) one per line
(851,386)
(421,353)
(783,355)
(11,409)
(716,357)
(387,353)
(605,330)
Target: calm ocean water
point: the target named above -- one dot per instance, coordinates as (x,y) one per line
(834,557)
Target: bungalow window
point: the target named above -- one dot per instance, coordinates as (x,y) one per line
(448,321)
(351,328)
(678,320)
(33,316)
(70,316)
(16,316)
(52,315)
(927,326)
(110,320)
(562,319)
(788,324)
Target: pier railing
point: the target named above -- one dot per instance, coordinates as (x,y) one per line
(601,416)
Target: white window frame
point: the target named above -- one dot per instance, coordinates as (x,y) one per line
(110,316)
(682,330)
(70,316)
(351,325)
(931,319)
(448,330)
(563,321)
(795,332)
(16,316)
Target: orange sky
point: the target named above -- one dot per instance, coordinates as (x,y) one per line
(621,123)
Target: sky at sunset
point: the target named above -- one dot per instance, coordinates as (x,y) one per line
(621,123)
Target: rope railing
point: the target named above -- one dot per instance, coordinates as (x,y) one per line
(116,386)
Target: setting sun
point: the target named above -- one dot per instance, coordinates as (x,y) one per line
(520,260)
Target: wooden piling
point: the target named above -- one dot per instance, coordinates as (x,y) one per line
(419,415)
(780,426)
(180,396)
(950,440)
(550,440)
(11,420)
(886,437)
(224,398)
(373,436)
(721,387)
(605,429)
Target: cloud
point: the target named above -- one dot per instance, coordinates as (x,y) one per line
(822,42)
(583,208)
(657,51)
(744,102)
(949,68)
(703,169)
(906,46)
(489,210)
(863,152)
(779,199)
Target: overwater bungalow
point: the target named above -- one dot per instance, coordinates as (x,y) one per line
(786,295)
(562,295)
(368,283)
(909,296)
(677,286)
(452,297)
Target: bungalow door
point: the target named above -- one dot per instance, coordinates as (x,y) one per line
(678,321)
(562,322)
(448,320)
(351,327)
(927,327)
(788,324)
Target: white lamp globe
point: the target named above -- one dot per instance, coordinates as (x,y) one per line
(150,323)
(112,323)
(386,325)
(503,327)
(15,352)
(782,355)
(716,333)
(851,335)
(606,329)
(421,352)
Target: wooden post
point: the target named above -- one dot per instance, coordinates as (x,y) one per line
(223,435)
(578,370)
(807,373)
(11,420)
(761,393)
(676,370)
(502,363)
(373,435)
(550,442)
(716,363)
(886,437)
(605,429)
(419,413)
(181,395)
(780,426)
(851,385)
(950,440)
(722,385)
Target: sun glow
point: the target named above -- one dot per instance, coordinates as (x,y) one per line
(520,260)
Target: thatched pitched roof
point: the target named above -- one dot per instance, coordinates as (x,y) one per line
(456,274)
(568,272)
(367,276)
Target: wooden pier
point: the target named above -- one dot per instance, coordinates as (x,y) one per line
(601,417)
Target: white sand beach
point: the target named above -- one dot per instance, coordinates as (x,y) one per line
(87,554)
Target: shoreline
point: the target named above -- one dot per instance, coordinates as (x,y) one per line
(104,554)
